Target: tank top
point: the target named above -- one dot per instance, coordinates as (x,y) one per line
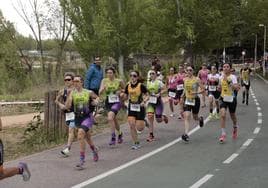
(191,86)
(134,93)
(245,75)
(226,89)
(81,102)
(172,81)
(111,86)
(203,75)
(153,87)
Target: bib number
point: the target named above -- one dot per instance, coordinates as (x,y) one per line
(245,82)
(69,116)
(171,94)
(212,88)
(180,87)
(113,98)
(228,98)
(135,107)
(190,102)
(153,100)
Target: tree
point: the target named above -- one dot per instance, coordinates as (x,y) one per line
(33,16)
(59,26)
(12,72)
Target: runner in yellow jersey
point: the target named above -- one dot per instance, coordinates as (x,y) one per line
(245,81)
(228,84)
(137,95)
(113,89)
(192,87)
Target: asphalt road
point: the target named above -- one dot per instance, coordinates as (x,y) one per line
(167,162)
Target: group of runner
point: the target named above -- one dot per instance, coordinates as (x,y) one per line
(145,105)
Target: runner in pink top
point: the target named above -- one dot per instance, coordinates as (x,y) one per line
(172,89)
(203,75)
(181,75)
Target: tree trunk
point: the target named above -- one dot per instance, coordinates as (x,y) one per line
(121,66)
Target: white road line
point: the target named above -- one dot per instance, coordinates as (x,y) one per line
(135,161)
(259,121)
(262,78)
(231,158)
(202,181)
(255,100)
(248,142)
(257,104)
(253,96)
(259,114)
(257,130)
(259,108)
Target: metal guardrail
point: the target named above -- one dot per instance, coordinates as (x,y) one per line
(21,102)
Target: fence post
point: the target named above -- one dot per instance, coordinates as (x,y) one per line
(54,118)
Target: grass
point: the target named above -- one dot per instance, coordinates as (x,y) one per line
(17,144)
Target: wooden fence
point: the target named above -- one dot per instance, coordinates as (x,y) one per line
(54,118)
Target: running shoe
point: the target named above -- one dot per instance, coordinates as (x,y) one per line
(120,138)
(165,119)
(80,165)
(150,138)
(135,146)
(246,102)
(185,138)
(171,115)
(113,140)
(95,155)
(26,174)
(234,133)
(243,101)
(222,138)
(65,152)
(201,121)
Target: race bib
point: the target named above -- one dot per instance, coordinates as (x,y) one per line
(180,87)
(245,82)
(190,102)
(228,98)
(171,94)
(212,88)
(153,100)
(113,98)
(69,116)
(135,107)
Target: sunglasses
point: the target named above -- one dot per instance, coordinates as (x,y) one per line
(67,79)
(134,75)
(109,72)
(152,73)
(189,70)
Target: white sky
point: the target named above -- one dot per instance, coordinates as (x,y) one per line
(10,14)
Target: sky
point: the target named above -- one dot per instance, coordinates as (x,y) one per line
(10,14)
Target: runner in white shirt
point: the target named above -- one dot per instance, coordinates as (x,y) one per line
(213,93)
(228,84)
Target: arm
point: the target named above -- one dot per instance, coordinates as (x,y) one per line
(69,101)
(58,97)
(102,87)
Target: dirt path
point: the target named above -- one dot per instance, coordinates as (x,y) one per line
(24,119)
